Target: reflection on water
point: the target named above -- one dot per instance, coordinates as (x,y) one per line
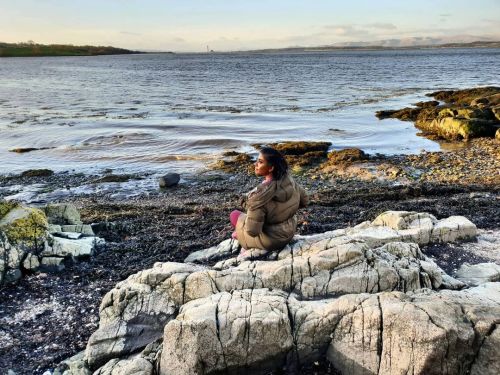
(178,111)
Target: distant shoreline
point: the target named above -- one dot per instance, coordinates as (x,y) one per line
(42,50)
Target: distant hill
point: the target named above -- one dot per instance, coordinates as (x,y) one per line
(32,49)
(477,44)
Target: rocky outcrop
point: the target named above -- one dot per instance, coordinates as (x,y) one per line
(465,114)
(365,297)
(478,273)
(32,239)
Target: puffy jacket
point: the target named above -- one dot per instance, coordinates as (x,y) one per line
(270,221)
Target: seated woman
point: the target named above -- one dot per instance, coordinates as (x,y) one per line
(270,221)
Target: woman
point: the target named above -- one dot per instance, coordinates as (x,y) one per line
(270,221)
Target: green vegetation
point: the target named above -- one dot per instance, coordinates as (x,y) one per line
(32,49)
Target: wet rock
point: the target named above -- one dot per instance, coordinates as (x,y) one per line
(116,178)
(296,147)
(427,104)
(37,173)
(347,155)
(169,180)
(63,214)
(478,273)
(497,134)
(464,96)
(22,150)
(405,114)
(467,114)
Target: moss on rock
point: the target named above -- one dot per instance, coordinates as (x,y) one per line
(25,226)
(6,207)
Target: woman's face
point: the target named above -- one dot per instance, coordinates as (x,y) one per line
(262,168)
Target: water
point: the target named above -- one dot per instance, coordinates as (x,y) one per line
(179,112)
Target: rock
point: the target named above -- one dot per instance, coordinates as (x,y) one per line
(11,276)
(222,250)
(478,273)
(169,180)
(347,155)
(425,332)
(497,134)
(73,366)
(467,114)
(25,228)
(79,228)
(296,147)
(37,173)
(405,114)
(464,96)
(365,297)
(452,229)
(64,247)
(31,263)
(227,332)
(452,128)
(52,264)
(54,228)
(63,214)
(427,104)
(137,366)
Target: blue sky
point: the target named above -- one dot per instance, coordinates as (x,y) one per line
(191,25)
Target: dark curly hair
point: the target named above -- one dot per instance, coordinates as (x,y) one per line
(275,159)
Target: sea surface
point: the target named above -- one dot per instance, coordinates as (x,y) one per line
(158,112)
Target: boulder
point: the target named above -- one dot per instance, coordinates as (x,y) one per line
(169,180)
(65,247)
(63,214)
(25,227)
(366,298)
(478,273)
(452,229)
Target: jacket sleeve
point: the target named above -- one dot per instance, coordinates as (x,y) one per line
(254,221)
(304,199)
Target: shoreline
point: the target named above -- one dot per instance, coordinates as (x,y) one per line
(167,225)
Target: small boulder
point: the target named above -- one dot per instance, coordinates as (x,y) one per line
(169,180)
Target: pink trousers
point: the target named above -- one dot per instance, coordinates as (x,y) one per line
(233,217)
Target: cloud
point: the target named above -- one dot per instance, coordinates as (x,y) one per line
(445,15)
(179,40)
(130,33)
(383,26)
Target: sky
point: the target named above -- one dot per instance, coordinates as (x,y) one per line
(229,25)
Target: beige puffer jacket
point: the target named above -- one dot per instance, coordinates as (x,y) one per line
(270,221)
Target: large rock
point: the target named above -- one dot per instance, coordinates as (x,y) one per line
(467,114)
(421,333)
(368,258)
(478,273)
(365,297)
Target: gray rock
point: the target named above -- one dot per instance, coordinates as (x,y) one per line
(64,247)
(222,250)
(478,273)
(170,179)
(52,264)
(80,228)
(62,214)
(11,276)
(31,262)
